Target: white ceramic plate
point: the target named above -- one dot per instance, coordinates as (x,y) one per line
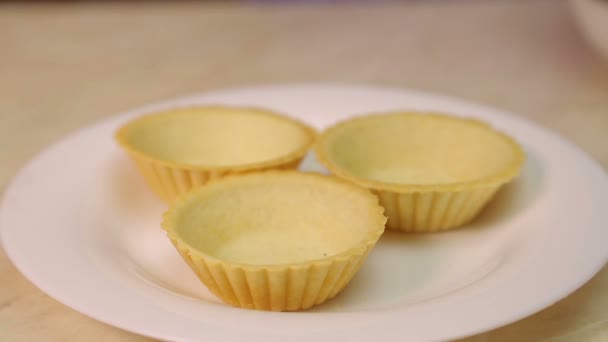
(80,224)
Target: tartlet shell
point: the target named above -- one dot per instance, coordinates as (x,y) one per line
(282,287)
(168,179)
(428,207)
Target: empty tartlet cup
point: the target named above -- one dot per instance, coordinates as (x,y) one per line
(430,171)
(180,149)
(275,240)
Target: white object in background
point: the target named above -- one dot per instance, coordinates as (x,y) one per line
(592,18)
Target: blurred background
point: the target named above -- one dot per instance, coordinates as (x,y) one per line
(66,64)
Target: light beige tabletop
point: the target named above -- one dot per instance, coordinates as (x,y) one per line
(63,67)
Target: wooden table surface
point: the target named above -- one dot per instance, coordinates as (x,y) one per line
(65,66)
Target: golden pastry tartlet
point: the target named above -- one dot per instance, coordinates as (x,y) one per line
(275,240)
(430,171)
(177,150)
